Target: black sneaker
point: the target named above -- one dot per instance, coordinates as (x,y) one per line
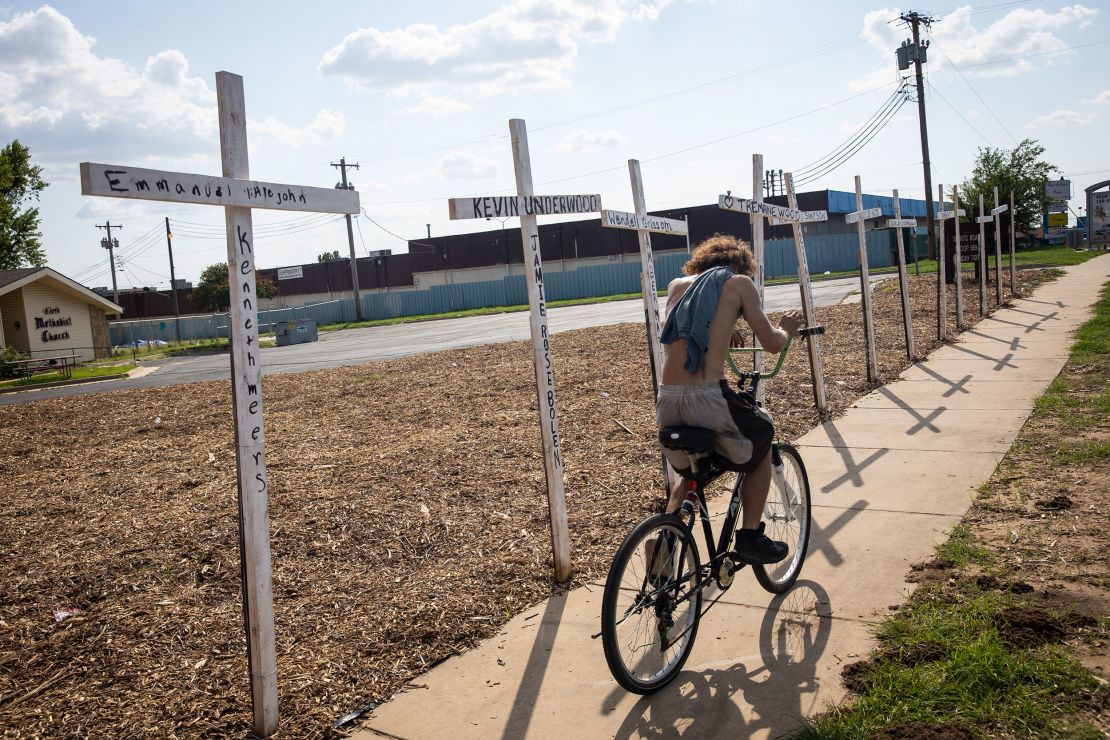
(755,548)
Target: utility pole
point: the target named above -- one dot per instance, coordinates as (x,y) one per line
(916,52)
(108,244)
(173,284)
(342,185)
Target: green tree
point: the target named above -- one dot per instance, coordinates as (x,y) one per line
(331,256)
(212,292)
(20,183)
(1022,170)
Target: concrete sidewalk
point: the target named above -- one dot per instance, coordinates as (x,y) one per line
(890,478)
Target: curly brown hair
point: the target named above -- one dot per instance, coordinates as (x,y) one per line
(721,250)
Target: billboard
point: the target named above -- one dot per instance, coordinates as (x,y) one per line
(1099,215)
(1057,219)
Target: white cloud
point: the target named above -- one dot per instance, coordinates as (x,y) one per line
(878,77)
(327,126)
(526,44)
(437,106)
(1063,118)
(1021,31)
(583,140)
(1101,99)
(79,105)
(467,166)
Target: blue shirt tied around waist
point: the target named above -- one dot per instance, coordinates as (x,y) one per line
(690,319)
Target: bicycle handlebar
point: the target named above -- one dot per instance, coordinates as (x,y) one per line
(805,332)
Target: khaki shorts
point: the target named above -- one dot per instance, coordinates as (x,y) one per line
(744,431)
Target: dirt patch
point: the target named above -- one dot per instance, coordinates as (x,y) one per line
(923,731)
(1056,503)
(990,583)
(855,676)
(1027,626)
(408,519)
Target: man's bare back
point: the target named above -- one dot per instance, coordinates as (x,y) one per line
(739,297)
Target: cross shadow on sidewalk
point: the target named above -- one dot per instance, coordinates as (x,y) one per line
(707,703)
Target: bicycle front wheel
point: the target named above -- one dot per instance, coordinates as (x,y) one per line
(787,513)
(651,606)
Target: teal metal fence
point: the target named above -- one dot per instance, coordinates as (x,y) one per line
(835,253)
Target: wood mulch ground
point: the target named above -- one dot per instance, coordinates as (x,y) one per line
(408,521)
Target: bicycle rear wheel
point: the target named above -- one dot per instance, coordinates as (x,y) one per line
(787,513)
(650,609)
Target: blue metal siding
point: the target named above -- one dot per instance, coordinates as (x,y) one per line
(843,202)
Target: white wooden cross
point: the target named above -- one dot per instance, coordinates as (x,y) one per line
(1013,237)
(527,206)
(644,225)
(982,220)
(858,217)
(238,195)
(955,214)
(898,223)
(759,210)
(997,211)
(942,267)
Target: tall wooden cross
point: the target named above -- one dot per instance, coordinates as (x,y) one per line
(527,206)
(859,218)
(898,223)
(1013,237)
(942,266)
(757,211)
(645,225)
(238,195)
(982,220)
(998,210)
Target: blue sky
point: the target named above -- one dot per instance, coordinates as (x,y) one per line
(420,94)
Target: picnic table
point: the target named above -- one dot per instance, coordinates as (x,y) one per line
(63,364)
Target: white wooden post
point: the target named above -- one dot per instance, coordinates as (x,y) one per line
(527,206)
(759,249)
(816,368)
(1013,237)
(859,218)
(997,212)
(792,215)
(982,221)
(238,196)
(942,275)
(541,352)
(959,259)
(644,224)
(898,223)
(246,394)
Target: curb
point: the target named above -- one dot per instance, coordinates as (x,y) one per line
(59,383)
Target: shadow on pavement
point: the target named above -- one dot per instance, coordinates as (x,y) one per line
(525,702)
(740,700)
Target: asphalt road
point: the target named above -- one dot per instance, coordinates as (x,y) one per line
(359,346)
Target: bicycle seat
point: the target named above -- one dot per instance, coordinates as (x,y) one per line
(688,439)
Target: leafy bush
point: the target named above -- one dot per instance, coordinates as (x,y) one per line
(9,354)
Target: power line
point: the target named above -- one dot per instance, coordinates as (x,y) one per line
(970,87)
(958,113)
(833,166)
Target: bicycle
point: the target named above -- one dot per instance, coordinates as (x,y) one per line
(652,603)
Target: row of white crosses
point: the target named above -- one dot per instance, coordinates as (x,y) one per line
(238,195)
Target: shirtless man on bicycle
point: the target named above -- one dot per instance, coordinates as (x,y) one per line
(702,310)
